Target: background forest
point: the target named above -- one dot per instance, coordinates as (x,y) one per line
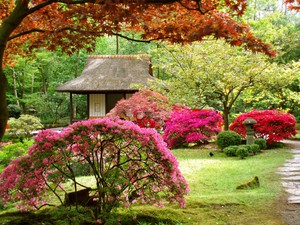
(33,80)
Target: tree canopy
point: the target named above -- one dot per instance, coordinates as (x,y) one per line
(214,74)
(74,24)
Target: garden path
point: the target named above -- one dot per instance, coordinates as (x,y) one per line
(289,206)
(291,173)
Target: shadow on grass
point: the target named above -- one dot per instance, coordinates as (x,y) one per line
(52,217)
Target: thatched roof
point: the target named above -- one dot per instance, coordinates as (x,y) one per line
(110,73)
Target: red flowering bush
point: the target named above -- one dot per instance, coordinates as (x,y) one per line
(129,164)
(272,125)
(189,126)
(145,108)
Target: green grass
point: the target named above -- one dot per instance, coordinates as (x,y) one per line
(213,198)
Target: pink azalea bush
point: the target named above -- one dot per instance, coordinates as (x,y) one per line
(145,108)
(129,164)
(272,125)
(189,126)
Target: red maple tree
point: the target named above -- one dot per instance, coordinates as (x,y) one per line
(75,24)
(272,125)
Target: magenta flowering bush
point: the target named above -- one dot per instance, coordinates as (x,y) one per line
(192,126)
(129,164)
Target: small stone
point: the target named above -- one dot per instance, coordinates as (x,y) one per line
(290,185)
(292,164)
(289,169)
(293,191)
(294,200)
(293,178)
(289,173)
(295,151)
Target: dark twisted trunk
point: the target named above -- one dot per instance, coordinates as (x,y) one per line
(3,103)
(6,29)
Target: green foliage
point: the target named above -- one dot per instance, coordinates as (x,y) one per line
(24,125)
(228,138)
(255,148)
(231,150)
(214,74)
(13,151)
(14,111)
(242,151)
(261,142)
(5,138)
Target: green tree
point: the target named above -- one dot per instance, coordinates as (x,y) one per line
(214,74)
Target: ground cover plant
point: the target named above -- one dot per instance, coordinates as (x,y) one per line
(128,164)
(213,198)
(272,125)
(11,151)
(192,126)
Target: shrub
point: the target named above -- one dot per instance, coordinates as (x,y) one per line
(231,150)
(228,138)
(191,126)
(243,151)
(12,151)
(261,142)
(14,111)
(272,125)
(129,164)
(25,124)
(254,148)
(145,108)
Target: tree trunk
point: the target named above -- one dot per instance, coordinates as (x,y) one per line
(8,25)
(15,87)
(226,118)
(3,103)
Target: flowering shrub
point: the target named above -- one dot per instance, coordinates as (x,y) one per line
(129,164)
(272,125)
(188,126)
(145,108)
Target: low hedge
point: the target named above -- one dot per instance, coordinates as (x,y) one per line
(242,151)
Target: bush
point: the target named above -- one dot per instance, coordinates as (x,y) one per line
(272,125)
(191,126)
(254,148)
(25,124)
(129,165)
(228,138)
(231,150)
(261,142)
(13,151)
(145,108)
(14,111)
(243,151)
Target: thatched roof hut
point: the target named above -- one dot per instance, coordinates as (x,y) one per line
(107,79)
(110,73)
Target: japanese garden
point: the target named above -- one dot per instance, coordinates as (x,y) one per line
(164,112)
